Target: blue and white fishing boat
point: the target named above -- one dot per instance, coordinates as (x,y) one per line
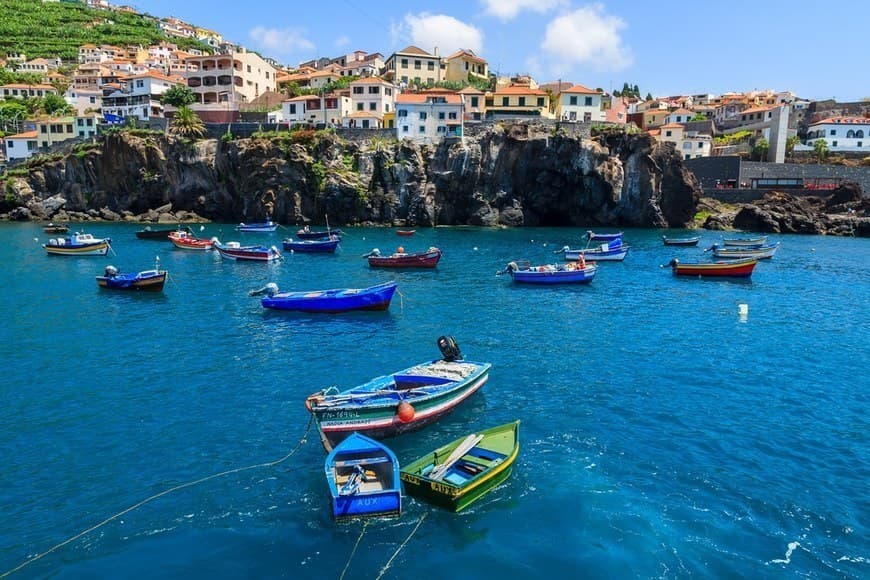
(78,244)
(612,251)
(599,237)
(319,245)
(753,241)
(578,272)
(363,478)
(262,227)
(147,280)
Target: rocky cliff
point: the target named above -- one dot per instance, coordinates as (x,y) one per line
(512,174)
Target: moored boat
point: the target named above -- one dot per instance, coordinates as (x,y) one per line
(78,244)
(363,478)
(725,268)
(461,472)
(753,241)
(319,245)
(402,259)
(253,253)
(376,297)
(148,233)
(187,241)
(405,232)
(261,227)
(578,272)
(690,241)
(53,228)
(147,280)
(309,234)
(599,237)
(398,402)
(612,251)
(757,252)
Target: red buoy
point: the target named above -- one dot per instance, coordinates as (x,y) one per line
(405,412)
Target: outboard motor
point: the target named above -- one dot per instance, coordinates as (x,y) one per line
(448,347)
(271,289)
(111,272)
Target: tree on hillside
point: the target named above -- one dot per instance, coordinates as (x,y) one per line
(790,144)
(178,96)
(821,148)
(55,105)
(187,124)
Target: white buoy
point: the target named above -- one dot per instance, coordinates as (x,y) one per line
(475,248)
(743,309)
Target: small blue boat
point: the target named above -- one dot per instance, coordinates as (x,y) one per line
(336,300)
(363,477)
(262,227)
(596,237)
(320,245)
(308,234)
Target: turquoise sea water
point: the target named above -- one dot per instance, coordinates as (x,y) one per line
(662,435)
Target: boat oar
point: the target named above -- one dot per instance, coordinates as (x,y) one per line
(464,447)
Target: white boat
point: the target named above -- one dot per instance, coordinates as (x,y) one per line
(78,244)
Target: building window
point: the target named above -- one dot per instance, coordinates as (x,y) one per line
(423,115)
(431,65)
(374,90)
(452,116)
(422,129)
(442,129)
(404,65)
(522,101)
(700,145)
(373,106)
(540,101)
(473,101)
(833,144)
(441,115)
(667,133)
(359,106)
(417,65)
(588,101)
(687,145)
(572,100)
(404,128)
(358,90)
(860,144)
(833,132)
(80,122)
(402,113)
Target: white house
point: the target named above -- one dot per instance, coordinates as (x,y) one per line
(370,99)
(139,96)
(83,99)
(689,144)
(316,109)
(21,146)
(428,117)
(841,133)
(579,103)
(680,116)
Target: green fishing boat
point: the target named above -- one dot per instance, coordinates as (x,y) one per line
(459,473)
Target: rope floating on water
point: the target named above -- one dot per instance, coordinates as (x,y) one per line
(352,552)
(161,494)
(399,549)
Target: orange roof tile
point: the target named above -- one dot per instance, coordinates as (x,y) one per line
(582,90)
(418,98)
(519,91)
(25,135)
(843,121)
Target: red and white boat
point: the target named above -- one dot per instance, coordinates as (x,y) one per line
(401,259)
(187,241)
(725,268)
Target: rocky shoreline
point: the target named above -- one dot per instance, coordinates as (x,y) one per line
(511,175)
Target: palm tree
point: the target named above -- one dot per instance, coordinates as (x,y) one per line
(821,148)
(187,124)
(790,144)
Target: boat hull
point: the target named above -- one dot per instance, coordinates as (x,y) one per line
(333,301)
(150,281)
(154,234)
(374,407)
(476,472)
(185,241)
(248,254)
(681,241)
(548,277)
(303,235)
(729,269)
(758,241)
(597,237)
(420,260)
(759,253)
(598,255)
(312,246)
(99,249)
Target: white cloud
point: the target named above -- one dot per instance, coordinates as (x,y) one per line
(587,36)
(276,42)
(428,31)
(342,41)
(508,9)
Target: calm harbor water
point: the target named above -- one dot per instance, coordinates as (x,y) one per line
(662,434)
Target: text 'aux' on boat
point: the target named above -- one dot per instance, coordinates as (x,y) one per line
(363,479)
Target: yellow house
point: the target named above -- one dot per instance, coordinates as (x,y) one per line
(51,131)
(518,101)
(464,65)
(414,66)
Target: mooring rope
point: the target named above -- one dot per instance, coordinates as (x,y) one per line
(352,552)
(161,494)
(399,549)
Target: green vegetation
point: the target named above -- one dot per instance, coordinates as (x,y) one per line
(57,29)
(760,149)
(698,117)
(187,124)
(821,149)
(178,96)
(733,138)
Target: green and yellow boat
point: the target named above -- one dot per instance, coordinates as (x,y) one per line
(459,473)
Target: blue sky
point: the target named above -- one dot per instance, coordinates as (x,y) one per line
(670,47)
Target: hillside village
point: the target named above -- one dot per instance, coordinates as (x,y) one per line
(412,94)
